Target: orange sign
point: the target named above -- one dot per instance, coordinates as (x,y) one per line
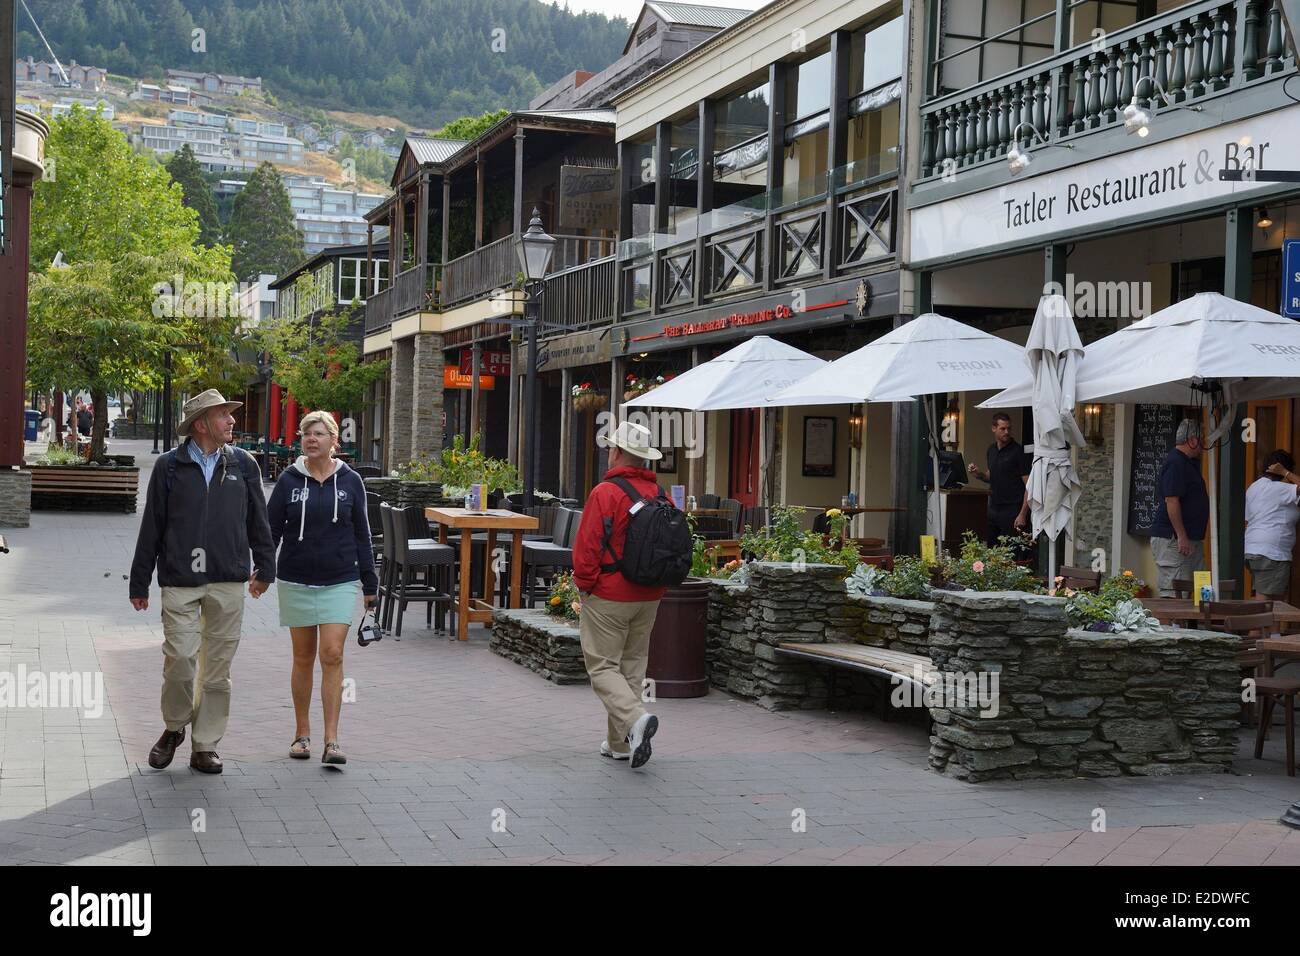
(453,378)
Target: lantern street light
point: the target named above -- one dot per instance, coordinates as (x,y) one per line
(535,249)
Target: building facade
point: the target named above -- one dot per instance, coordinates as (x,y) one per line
(1123,223)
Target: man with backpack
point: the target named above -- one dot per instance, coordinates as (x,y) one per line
(631,544)
(204,512)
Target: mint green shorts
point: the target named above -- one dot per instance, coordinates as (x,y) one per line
(303,606)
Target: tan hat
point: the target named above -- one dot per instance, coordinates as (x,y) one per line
(198,406)
(634,439)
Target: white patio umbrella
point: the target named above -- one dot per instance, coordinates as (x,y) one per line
(1053,351)
(744,377)
(1207,347)
(928,355)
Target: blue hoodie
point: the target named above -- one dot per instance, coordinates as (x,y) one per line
(321,528)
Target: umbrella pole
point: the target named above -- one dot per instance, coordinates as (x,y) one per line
(934,457)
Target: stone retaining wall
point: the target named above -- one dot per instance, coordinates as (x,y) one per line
(895,623)
(1079,703)
(549,645)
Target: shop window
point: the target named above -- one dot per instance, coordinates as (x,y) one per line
(876,55)
(808,86)
(638,172)
(805,162)
(350,285)
(873,142)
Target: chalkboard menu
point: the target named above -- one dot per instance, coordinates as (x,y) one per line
(1154,428)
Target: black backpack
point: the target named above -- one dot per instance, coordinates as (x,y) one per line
(657,549)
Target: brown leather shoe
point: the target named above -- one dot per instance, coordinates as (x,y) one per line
(205,761)
(163,751)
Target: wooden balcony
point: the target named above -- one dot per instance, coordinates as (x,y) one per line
(784,247)
(580,297)
(379,311)
(477,273)
(1194,53)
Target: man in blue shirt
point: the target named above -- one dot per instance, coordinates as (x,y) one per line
(1184,512)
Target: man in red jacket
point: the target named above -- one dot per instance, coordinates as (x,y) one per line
(617,614)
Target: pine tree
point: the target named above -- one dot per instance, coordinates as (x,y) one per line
(185,170)
(262,231)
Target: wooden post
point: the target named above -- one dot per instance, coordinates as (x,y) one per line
(566,433)
(446,215)
(422,223)
(475,370)
(663,173)
(695,470)
(518,225)
(478,199)
(776,75)
(704,193)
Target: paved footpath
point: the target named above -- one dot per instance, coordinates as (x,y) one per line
(457,755)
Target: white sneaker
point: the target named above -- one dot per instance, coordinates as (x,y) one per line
(639,739)
(607,751)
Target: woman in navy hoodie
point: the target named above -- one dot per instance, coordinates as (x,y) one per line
(318,519)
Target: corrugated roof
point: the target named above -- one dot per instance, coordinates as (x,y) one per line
(698,14)
(433,150)
(587,116)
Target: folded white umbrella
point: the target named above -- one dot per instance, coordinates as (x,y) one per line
(1053,351)
(743,377)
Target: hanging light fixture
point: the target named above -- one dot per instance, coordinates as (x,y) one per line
(1092,424)
(855,426)
(1018,159)
(1263,219)
(1138,119)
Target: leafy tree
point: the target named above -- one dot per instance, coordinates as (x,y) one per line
(471,127)
(103,321)
(316,360)
(262,233)
(184,169)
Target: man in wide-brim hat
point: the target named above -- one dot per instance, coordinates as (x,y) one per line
(203,514)
(617,614)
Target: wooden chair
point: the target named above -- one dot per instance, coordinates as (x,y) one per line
(708,501)
(1268,692)
(754,517)
(1079,579)
(733,509)
(1227,586)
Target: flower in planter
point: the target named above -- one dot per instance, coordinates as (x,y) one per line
(575,606)
(978,567)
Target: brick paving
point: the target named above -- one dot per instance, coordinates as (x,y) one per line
(457,755)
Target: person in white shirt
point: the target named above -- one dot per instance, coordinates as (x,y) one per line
(1272,509)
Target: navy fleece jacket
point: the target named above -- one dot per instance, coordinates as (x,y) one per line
(321,528)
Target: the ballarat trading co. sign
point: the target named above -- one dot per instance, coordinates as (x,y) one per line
(588,197)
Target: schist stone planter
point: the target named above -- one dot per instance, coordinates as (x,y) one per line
(1077,703)
(541,642)
(400,494)
(896,623)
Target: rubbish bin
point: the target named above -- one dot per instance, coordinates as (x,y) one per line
(677,642)
(31,424)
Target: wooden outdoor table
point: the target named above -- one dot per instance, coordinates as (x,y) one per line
(1181,610)
(491,521)
(714,512)
(864,510)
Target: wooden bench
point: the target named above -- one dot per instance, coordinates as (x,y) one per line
(96,485)
(893,665)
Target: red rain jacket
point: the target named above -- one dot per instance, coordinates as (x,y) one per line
(608,501)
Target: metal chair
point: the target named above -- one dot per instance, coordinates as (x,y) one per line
(403,555)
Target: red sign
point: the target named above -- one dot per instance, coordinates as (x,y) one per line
(452,378)
(492,362)
(735,320)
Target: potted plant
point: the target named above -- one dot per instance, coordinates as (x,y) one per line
(587,399)
(637,387)
(465,465)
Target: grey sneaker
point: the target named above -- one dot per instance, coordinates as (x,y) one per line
(639,739)
(607,751)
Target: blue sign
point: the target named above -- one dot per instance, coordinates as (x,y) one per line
(1291,278)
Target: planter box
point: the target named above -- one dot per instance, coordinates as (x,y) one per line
(85,487)
(549,645)
(400,494)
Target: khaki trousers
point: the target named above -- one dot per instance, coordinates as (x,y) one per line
(1170,564)
(615,645)
(200,634)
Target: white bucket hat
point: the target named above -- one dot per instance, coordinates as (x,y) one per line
(200,405)
(632,438)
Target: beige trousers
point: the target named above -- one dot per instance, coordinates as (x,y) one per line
(1171,565)
(615,646)
(200,634)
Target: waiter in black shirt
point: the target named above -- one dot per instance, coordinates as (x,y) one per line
(1007,476)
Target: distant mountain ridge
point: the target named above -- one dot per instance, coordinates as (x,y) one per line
(425,61)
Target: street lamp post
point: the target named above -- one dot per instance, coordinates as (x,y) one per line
(535,249)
